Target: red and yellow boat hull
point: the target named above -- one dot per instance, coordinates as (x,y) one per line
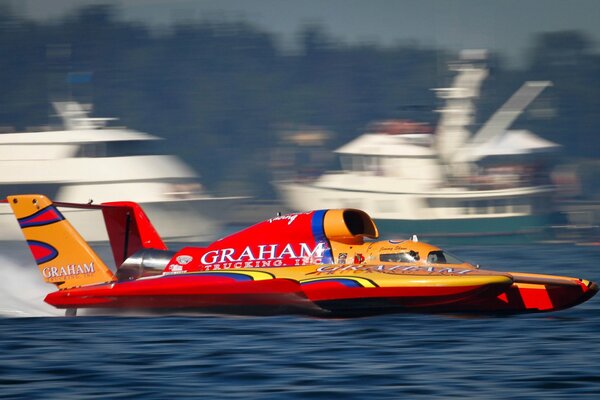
(313,289)
(314,263)
(535,293)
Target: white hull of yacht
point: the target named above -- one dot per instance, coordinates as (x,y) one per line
(447,183)
(86,160)
(433,205)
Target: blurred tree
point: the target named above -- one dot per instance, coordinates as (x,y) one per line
(566,59)
(220,91)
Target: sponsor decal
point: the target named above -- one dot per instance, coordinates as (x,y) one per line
(342,258)
(46,216)
(359,258)
(184,259)
(68,271)
(352,282)
(264,255)
(245,264)
(392,269)
(174,269)
(42,252)
(289,217)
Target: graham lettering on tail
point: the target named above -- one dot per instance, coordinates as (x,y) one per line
(62,255)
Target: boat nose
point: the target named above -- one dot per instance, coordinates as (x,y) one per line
(589,289)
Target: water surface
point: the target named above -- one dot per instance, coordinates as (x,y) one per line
(555,355)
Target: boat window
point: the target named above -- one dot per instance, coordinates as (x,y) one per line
(90,150)
(135,148)
(122,148)
(441,257)
(436,257)
(411,256)
(346,163)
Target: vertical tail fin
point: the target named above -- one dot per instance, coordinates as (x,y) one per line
(129,230)
(62,255)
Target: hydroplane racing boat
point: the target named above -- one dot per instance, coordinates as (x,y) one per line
(322,263)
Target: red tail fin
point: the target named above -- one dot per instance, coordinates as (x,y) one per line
(129,229)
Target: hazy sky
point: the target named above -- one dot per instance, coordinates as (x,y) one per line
(505,25)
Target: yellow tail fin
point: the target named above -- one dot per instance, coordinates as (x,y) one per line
(62,255)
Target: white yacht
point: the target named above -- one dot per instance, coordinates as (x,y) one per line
(446,182)
(88,161)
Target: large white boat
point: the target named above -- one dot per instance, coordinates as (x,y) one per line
(88,161)
(446,182)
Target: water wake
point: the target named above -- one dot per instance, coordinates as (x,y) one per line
(22,290)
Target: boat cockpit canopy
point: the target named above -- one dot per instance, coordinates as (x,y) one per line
(433,257)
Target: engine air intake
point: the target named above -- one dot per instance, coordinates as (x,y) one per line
(349,226)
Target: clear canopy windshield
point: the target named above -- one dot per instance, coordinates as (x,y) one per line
(404,256)
(434,257)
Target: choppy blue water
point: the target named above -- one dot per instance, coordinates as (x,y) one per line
(556,355)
